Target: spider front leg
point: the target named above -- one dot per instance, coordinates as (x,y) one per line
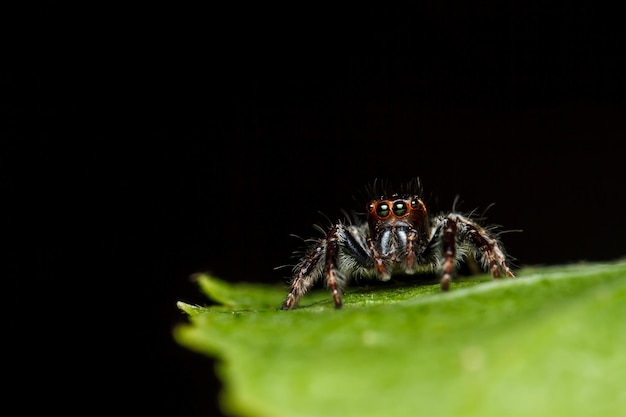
(449,252)
(459,229)
(321,259)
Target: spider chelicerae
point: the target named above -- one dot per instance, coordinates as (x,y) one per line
(397,235)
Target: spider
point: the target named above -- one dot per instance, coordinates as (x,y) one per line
(396,236)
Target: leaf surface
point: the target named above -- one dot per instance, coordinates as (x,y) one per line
(549,343)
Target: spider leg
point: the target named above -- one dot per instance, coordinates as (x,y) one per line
(332,273)
(323,259)
(485,246)
(449,252)
(378,260)
(410,260)
(455,230)
(305,275)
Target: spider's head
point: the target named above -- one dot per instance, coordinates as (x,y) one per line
(396,211)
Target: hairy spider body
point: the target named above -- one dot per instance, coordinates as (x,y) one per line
(398,236)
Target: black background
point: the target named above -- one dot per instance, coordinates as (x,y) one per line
(144,144)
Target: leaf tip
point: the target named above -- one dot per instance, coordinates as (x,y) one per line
(190,309)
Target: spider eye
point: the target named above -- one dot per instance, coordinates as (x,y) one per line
(370,207)
(414,203)
(399,208)
(382,210)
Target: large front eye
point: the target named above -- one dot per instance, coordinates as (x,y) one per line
(399,208)
(382,210)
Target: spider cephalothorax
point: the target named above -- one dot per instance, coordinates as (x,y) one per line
(398,236)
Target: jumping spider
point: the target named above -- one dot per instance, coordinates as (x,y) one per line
(397,236)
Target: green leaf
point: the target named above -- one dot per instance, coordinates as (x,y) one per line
(549,343)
